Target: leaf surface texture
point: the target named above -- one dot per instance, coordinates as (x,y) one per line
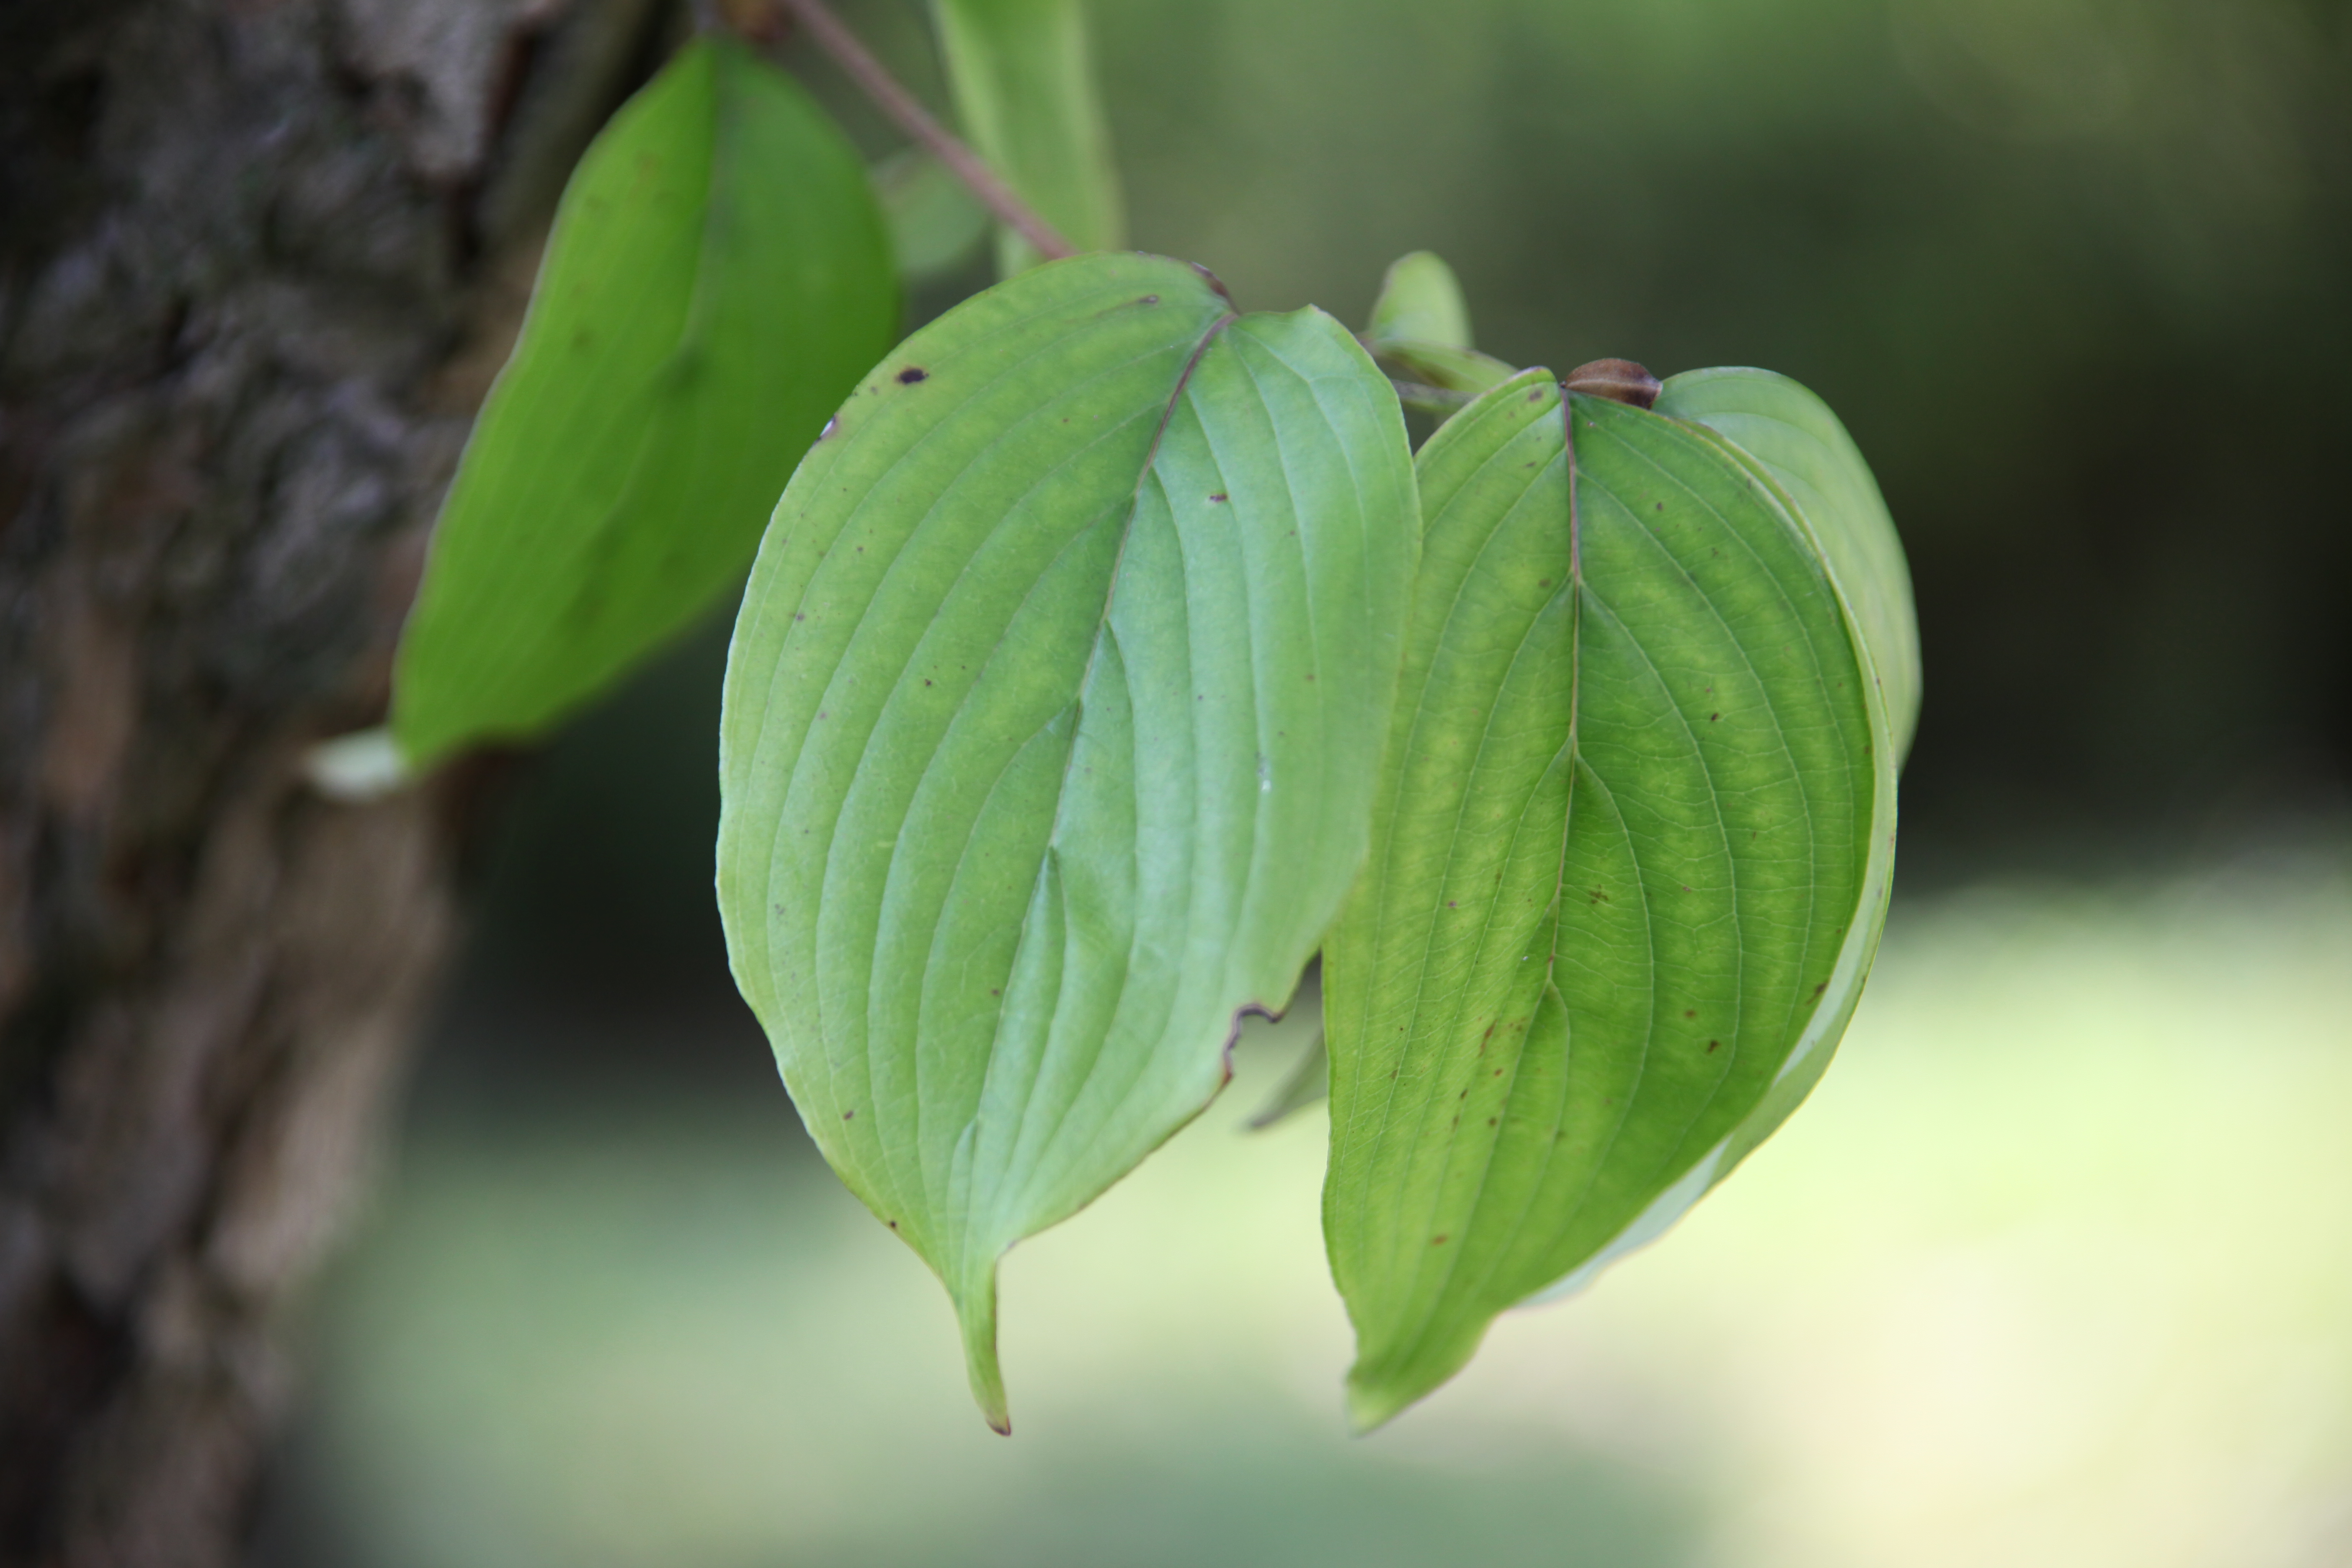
(1052,721)
(1630,856)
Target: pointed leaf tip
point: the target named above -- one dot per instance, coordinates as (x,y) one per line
(975,1305)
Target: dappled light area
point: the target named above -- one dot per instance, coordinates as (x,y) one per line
(2048,1273)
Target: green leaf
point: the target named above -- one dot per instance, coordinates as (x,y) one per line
(1052,723)
(1024,92)
(1806,452)
(935,222)
(1630,860)
(1421,302)
(717,277)
(1421,330)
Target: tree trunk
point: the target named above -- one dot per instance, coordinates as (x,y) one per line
(256,259)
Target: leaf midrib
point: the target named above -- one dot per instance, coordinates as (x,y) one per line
(1073,710)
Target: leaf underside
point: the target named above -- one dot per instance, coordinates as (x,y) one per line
(1630,857)
(1051,720)
(718,277)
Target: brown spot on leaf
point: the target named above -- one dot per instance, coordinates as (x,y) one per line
(911,375)
(1219,496)
(1711,1045)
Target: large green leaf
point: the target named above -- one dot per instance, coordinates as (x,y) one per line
(1024,92)
(717,277)
(1052,723)
(1630,860)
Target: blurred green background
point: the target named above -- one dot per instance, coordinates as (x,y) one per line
(2054,1269)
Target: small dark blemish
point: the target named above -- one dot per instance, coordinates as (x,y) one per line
(1219,496)
(1490,1122)
(1713,717)
(911,375)
(1822,987)
(1535,395)
(822,714)
(1149,299)
(1449,904)
(800,618)
(1690,1012)
(847,1114)
(1711,1045)
(1437,1241)
(992,991)
(1661,506)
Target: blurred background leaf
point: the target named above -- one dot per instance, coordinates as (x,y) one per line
(717,277)
(1028,99)
(2047,1274)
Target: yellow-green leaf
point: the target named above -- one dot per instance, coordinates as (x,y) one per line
(1630,860)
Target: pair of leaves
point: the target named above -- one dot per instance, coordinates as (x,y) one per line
(1631,852)
(1051,724)
(718,277)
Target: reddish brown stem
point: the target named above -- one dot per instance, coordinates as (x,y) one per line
(902,106)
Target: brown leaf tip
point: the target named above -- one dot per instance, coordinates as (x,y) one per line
(1619,380)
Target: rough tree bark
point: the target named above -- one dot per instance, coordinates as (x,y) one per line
(255,256)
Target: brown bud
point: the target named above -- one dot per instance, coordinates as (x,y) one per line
(1619,380)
